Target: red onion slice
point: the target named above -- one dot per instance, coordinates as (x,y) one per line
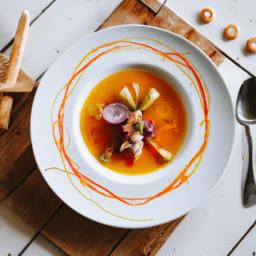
(115,113)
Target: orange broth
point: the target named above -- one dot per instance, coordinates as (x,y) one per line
(167,113)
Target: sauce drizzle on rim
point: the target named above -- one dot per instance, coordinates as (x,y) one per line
(58,135)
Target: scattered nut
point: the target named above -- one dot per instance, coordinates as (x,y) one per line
(251,45)
(231,31)
(207,14)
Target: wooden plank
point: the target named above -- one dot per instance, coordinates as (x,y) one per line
(17,173)
(145,241)
(24,157)
(33,200)
(26,210)
(16,140)
(61,31)
(247,246)
(168,20)
(42,247)
(9,15)
(14,232)
(154,5)
(129,12)
(77,235)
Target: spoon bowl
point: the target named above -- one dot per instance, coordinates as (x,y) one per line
(246,103)
(246,115)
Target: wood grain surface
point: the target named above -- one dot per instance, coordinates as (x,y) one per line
(34,200)
(81,236)
(16,139)
(168,20)
(154,5)
(17,173)
(129,12)
(145,241)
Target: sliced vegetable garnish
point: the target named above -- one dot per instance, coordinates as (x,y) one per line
(115,113)
(139,127)
(136,88)
(127,98)
(152,95)
(164,153)
(95,110)
(107,154)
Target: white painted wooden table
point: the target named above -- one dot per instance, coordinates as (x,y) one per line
(216,226)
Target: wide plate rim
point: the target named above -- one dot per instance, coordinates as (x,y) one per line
(142,224)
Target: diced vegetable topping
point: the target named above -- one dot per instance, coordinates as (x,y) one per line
(139,126)
(149,129)
(149,99)
(107,154)
(127,98)
(115,113)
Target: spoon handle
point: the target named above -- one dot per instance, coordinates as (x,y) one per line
(249,196)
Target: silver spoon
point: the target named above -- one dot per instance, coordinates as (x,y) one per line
(246,115)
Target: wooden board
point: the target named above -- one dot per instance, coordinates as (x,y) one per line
(74,234)
(154,5)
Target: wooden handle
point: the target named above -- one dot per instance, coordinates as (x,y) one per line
(5,111)
(18,49)
(25,85)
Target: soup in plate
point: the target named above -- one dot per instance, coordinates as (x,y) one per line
(133,122)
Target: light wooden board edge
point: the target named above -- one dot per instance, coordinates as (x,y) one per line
(146,241)
(129,12)
(168,20)
(154,5)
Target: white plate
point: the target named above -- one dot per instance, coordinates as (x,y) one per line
(59,159)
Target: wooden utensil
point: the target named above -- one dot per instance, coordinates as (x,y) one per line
(10,85)
(9,71)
